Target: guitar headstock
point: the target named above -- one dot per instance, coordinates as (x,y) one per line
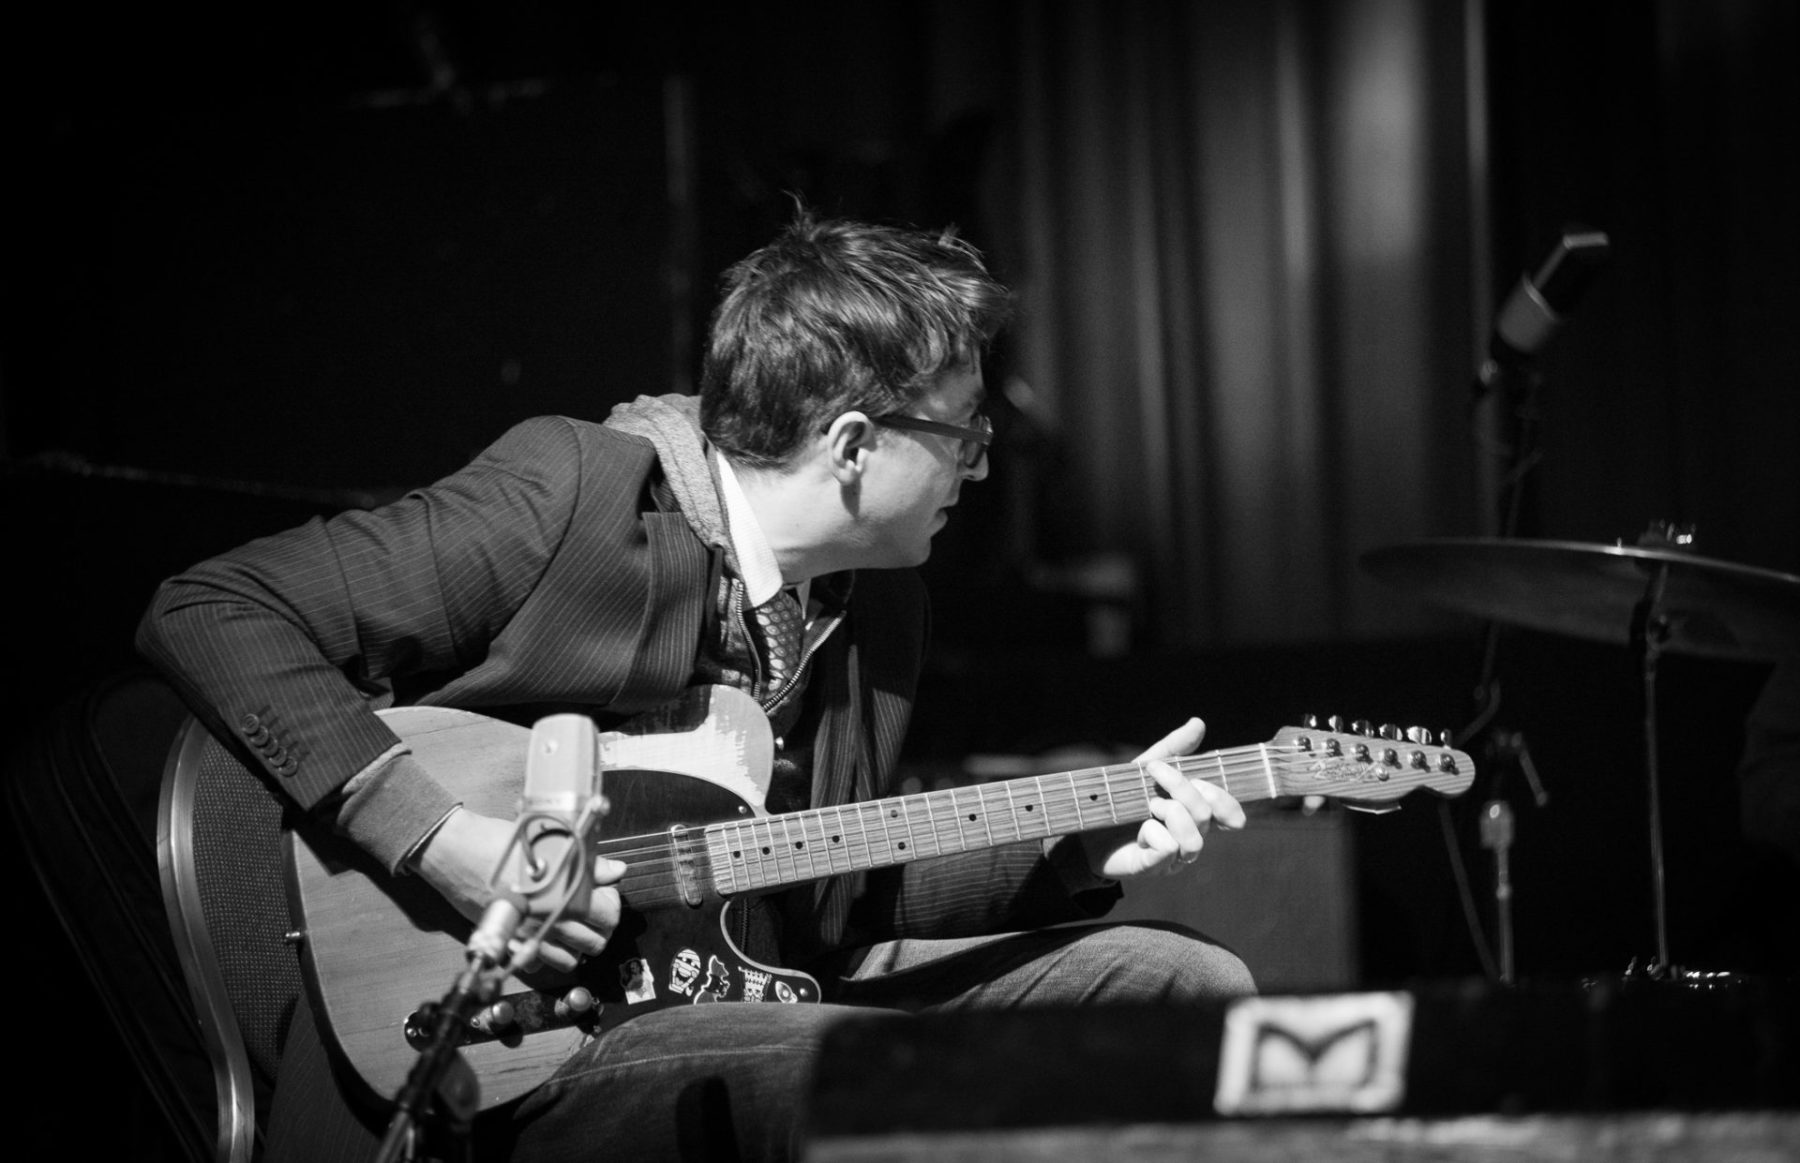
(1362,765)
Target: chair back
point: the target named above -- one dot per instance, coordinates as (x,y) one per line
(218,852)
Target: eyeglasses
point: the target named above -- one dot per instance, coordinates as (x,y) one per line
(974,440)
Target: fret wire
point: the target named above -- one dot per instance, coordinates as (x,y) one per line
(1075,793)
(771,860)
(823,850)
(841,850)
(887,835)
(1012,811)
(755,839)
(948,831)
(789,851)
(744,842)
(931,819)
(897,812)
(868,835)
(806,848)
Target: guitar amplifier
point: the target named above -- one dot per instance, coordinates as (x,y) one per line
(1281,894)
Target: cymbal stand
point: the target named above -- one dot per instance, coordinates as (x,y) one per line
(1649,633)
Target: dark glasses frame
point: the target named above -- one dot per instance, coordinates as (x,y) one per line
(975,440)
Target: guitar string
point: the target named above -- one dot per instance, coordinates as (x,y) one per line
(1063,813)
(1059,799)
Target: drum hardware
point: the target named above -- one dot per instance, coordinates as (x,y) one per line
(1656,597)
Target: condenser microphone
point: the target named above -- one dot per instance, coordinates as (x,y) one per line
(544,872)
(1543,299)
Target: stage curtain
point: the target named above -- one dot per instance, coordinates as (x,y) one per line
(1244,249)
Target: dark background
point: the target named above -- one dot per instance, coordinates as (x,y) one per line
(261,266)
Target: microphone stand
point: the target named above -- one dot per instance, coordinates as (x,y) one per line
(1514,384)
(1496,835)
(440,1072)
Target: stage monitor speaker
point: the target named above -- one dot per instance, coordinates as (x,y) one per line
(1620,1068)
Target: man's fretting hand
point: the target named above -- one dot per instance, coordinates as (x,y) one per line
(1172,837)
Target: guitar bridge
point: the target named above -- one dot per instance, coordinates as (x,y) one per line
(513,1017)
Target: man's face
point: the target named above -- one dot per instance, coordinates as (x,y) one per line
(913,478)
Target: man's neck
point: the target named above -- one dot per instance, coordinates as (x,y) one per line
(794,509)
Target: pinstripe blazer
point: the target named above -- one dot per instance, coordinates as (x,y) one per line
(545,573)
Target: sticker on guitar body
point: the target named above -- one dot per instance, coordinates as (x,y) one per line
(636,981)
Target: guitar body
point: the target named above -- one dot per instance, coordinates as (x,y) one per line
(377,948)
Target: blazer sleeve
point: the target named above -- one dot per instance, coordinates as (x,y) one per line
(277,645)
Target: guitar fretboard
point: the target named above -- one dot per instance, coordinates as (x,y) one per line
(798,846)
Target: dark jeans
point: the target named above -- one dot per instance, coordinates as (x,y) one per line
(729,1082)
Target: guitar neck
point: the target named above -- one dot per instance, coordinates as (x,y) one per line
(771,851)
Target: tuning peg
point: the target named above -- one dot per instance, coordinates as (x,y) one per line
(1310,722)
(1389,731)
(1336,723)
(1418,735)
(1445,738)
(1362,727)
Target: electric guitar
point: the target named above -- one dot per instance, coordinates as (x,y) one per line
(685,788)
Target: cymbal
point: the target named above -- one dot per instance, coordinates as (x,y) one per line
(1715,609)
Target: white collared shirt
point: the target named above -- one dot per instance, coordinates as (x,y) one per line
(757,567)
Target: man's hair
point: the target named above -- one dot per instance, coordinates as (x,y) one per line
(835,316)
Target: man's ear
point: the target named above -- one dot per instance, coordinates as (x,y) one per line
(848,441)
